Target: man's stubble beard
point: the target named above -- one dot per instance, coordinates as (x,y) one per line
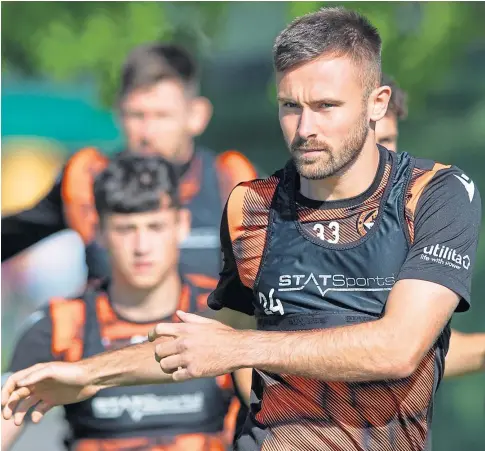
(334,162)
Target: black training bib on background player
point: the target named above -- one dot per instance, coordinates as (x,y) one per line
(196,415)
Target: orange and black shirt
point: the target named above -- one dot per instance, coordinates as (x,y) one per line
(197,415)
(301,264)
(206,182)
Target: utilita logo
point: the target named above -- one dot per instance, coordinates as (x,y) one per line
(447,256)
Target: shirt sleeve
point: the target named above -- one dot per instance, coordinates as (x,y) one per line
(233,168)
(24,229)
(447,223)
(230,291)
(34,344)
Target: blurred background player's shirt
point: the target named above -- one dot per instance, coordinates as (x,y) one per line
(54,266)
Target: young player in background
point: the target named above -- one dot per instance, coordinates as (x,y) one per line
(161,111)
(141,226)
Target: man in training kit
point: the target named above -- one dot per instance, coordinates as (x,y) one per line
(466,352)
(351,258)
(161,111)
(141,226)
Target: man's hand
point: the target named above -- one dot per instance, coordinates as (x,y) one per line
(201,347)
(44,386)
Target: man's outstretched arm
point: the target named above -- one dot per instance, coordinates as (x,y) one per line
(57,383)
(133,365)
(389,348)
(466,354)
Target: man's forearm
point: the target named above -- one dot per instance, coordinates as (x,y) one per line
(466,354)
(358,353)
(133,365)
(10,433)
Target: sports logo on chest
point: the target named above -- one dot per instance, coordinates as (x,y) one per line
(319,279)
(291,292)
(366,221)
(139,406)
(324,283)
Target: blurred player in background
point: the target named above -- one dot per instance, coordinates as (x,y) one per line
(29,167)
(141,226)
(467,351)
(161,111)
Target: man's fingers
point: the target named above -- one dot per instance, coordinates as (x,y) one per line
(181,375)
(152,335)
(7,389)
(172,363)
(194,319)
(23,407)
(40,410)
(11,383)
(166,349)
(165,330)
(13,401)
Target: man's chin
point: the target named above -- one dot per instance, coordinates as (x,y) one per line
(311,170)
(144,282)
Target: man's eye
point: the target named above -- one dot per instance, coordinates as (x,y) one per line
(326,106)
(124,229)
(157,227)
(290,105)
(134,114)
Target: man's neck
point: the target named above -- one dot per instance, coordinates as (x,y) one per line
(146,305)
(354,180)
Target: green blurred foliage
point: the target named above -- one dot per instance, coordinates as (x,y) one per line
(71,39)
(420,40)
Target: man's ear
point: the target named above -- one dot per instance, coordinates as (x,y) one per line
(200,115)
(378,103)
(183,227)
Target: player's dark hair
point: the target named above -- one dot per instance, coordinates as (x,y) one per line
(133,183)
(331,31)
(148,64)
(398,104)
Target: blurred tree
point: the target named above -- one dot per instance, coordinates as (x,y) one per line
(421,40)
(71,39)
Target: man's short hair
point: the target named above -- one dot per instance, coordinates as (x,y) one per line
(398,104)
(148,64)
(334,31)
(133,183)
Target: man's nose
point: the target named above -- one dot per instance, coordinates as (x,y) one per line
(142,245)
(307,128)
